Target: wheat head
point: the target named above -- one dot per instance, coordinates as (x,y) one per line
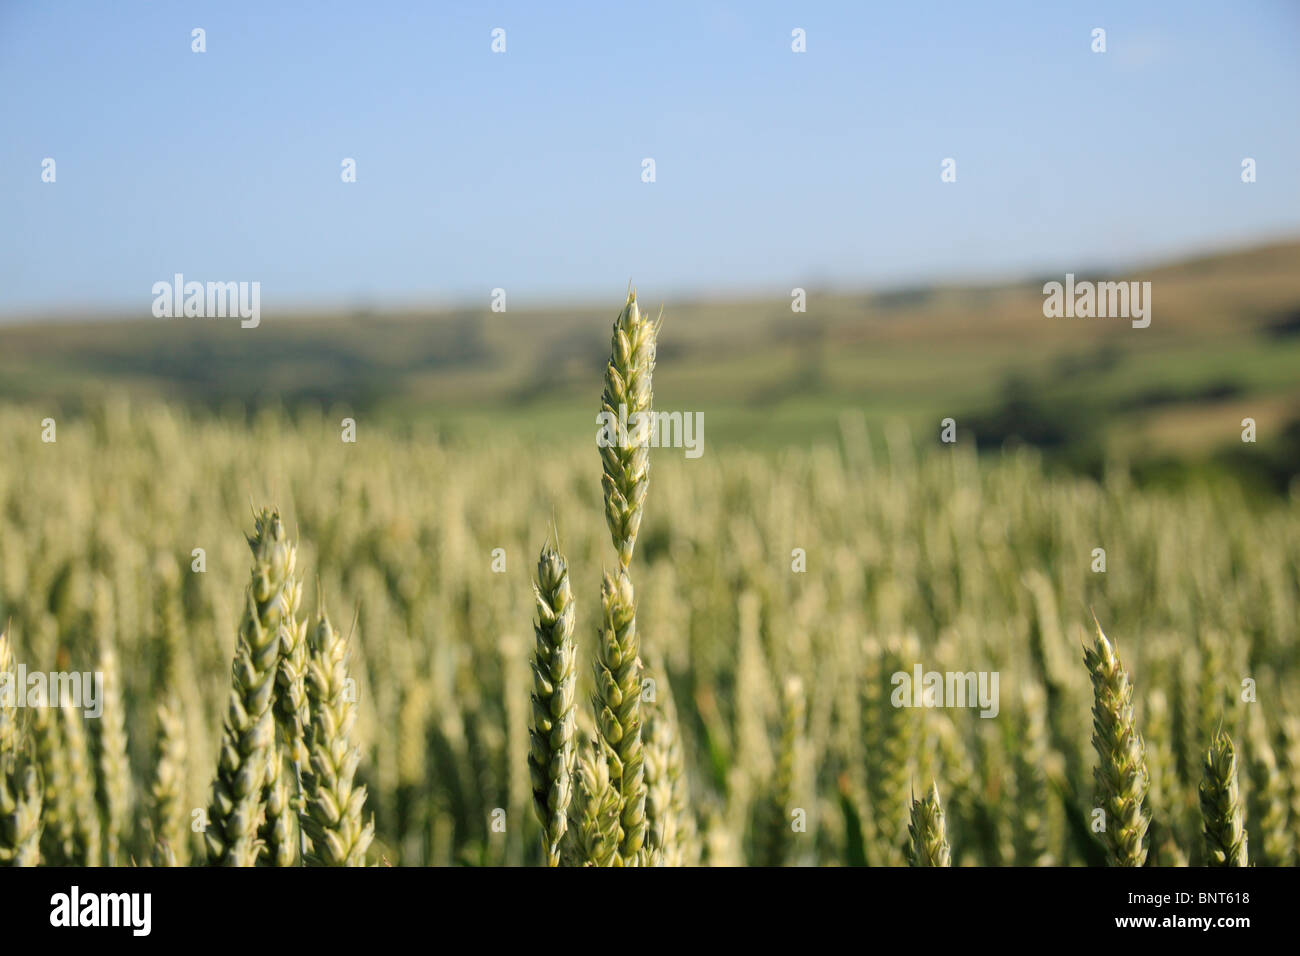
(1121,772)
(551,753)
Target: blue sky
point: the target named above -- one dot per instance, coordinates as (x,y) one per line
(523,170)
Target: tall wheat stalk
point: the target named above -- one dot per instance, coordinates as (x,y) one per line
(248,735)
(335,802)
(627,397)
(1121,772)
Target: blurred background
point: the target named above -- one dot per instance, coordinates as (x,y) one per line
(774,171)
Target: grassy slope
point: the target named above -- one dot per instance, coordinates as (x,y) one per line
(760,373)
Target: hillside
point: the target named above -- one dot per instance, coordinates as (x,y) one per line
(1224,343)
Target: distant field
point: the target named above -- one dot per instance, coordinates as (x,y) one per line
(1224,343)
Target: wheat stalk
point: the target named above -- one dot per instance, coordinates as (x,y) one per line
(1221,812)
(889,734)
(671,829)
(628,395)
(926,831)
(82,778)
(335,803)
(1274,842)
(9,734)
(1121,772)
(1288,748)
(551,752)
(169,815)
(1165,796)
(617,705)
(108,733)
(248,734)
(20,791)
(774,834)
(1032,835)
(20,812)
(58,834)
(284,798)
(593,832)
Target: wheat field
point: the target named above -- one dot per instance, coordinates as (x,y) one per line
(703,672)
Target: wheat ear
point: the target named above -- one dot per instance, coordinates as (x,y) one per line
(108,733)
(169,816)
(617,704)
(1288,753)
(58,837)
(280,831)
(248,734)
(20,812)
(1165,794)
(1221,812)
(593,833)
(20,791)
(1273,841)
(83,779)
(928,840)
(774,833)
(551,753)
(9,735)
(890,738)
(335,802)
(285,799)
(1032,837)
(671,828)
(628,397)
(1121,772)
